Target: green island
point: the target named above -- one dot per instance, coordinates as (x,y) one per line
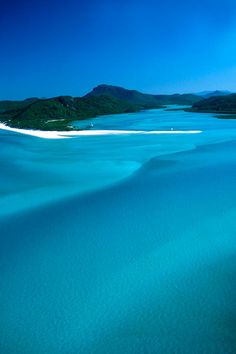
(225,106)
(59,113)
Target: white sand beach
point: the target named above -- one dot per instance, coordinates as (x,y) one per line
(73,133)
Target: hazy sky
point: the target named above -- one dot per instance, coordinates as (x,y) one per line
(51,48)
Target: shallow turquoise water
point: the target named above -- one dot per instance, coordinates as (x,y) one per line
(120,244)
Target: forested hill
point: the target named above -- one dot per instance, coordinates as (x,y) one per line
(144,100)
(59,112)
(220,104)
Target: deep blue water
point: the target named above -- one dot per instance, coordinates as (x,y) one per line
(120,244)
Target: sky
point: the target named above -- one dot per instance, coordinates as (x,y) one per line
(54,47)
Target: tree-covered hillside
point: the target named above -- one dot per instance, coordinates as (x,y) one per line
(144,100)
(58,113)
(221,104)
(7,104)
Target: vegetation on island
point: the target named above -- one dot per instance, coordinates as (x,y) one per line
(144,100)
(59,113)
(8,105)
(221,105)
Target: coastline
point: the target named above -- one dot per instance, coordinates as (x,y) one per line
(73,133)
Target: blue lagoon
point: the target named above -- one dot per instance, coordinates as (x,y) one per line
(120,243)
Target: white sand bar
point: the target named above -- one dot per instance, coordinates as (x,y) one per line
(73,133)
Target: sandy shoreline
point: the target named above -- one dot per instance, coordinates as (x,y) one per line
(72,133)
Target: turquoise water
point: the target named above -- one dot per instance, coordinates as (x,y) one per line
(120,244)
